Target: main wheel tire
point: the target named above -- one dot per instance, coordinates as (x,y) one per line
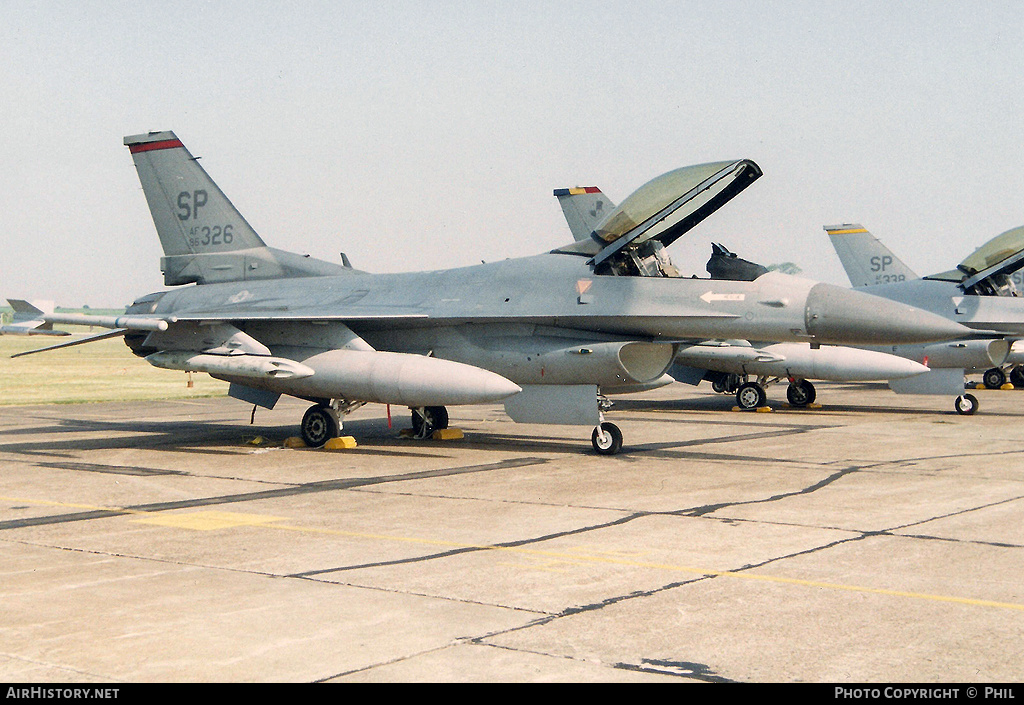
(994,378)
(750,395)
(319,425)
(966,404)
(607,439)
(436,419)
(801,393)
(1017,377)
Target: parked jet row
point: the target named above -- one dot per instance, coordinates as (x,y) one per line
(979,293)
(747,370)
(547,335)
(989,271)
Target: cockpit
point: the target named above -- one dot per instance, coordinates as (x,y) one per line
(631,239)
(989,270)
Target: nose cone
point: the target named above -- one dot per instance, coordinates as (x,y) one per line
(847,317)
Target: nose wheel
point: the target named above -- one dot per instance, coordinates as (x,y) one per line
(607,439)
(966,404)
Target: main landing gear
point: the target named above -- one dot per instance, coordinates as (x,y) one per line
(427,419)
(801,393)
(323,421)
(996,377)
(751,394)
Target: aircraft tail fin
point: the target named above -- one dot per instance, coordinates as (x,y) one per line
(866,260)
(204,237)
(584,209)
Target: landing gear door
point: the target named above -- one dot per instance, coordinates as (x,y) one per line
(566,404)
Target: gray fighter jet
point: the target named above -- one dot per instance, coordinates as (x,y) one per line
(980,293)
(738,366)
(548,335)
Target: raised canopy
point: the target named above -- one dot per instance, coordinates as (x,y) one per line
(986,270)
(668,206)
(1000,250)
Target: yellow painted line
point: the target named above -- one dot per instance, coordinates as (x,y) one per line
(70,505)
(207,520)
(846,232)
(587,559)
(233,519)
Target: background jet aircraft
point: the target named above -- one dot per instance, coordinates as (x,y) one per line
(547,334)
(979,293)
(730,364)
(934,368)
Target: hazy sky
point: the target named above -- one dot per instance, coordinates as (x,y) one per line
(421,135)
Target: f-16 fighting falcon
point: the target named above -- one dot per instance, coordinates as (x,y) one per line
(738,366)
(548,335)
(980,293)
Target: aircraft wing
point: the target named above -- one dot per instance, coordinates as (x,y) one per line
(217,320)
(78,341)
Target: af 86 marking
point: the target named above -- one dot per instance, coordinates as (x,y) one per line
(207,235)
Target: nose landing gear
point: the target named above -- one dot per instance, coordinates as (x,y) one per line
(607,439)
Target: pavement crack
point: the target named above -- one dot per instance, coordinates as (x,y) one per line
(286,491)
(711,508)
